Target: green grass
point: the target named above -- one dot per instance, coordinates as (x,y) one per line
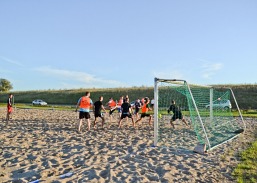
(246,171)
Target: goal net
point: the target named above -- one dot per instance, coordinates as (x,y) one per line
(212,113)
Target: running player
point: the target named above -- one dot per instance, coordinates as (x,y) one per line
(98,107)
(112,106)
(144,109)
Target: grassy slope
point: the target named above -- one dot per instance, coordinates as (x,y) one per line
(246,95)
(70,97)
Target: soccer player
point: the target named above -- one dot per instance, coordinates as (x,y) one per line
(98,107)
(84,104)
(137,107)
(112,106)
(176,114)
(126,112)
(144,109)
(9,107)
(120,102)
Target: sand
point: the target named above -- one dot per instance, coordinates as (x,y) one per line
(44,146)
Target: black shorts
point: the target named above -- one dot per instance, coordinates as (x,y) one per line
(111,111)
(136,110)
(84,115)
(177,115)
(97,114)
(126,115)
(145,115)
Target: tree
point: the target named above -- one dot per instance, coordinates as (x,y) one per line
(5,85)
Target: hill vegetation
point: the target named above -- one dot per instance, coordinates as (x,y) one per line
(246,95)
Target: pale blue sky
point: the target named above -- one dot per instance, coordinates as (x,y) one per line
(68,44)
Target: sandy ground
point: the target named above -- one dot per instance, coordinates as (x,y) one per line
(44,145)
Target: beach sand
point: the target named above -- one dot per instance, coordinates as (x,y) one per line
(44,145)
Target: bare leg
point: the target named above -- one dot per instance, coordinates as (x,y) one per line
(171,123)
(119,123)
(103,120)
(133,122)
(79,125)
(95,123)
(184,121)
(150,118)
(88,124)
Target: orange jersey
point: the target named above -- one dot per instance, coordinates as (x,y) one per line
(120,102)
(145,108)
(112,103)
(85,103)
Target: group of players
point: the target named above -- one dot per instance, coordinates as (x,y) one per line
(124,108)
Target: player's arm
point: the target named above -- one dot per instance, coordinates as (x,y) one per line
(102,106)
(77,105)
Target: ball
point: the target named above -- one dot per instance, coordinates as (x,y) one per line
(159,115)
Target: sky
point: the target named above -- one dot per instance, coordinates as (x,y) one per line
(64,44)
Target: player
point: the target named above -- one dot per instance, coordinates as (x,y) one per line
(112,107)
(176,114)
(84,104)
(137,107)
(120,102)
(144,109)
(126,112)
(9,107)
(98,107)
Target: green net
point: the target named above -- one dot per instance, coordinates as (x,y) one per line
(208,110)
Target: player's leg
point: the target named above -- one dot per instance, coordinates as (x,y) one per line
(87,116)
(150,118)
(172,120)
(103,121)
(119,123)
(180,116)
(184,121)
(141,117)
(95,121)
(133,122)
(80,121)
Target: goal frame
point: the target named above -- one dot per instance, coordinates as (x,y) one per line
(156,122)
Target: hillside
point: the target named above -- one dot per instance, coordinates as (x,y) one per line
(246,95)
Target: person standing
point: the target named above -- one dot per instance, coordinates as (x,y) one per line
(137,107)
(176,114)
(98,107)
(120,102)
(126,112)
(112,107)
(84,104)
(9,107)
(144,109)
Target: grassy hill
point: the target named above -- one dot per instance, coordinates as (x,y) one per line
(246,95)
(70,97)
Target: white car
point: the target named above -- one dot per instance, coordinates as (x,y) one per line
(220,104)
(132,103)
(39,102)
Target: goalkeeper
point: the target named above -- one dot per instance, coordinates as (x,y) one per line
(176,114)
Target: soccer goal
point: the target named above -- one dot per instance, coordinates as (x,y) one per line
(212,112)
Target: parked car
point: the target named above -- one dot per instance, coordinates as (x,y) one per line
(220,104)
(132,103)
(39,102)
